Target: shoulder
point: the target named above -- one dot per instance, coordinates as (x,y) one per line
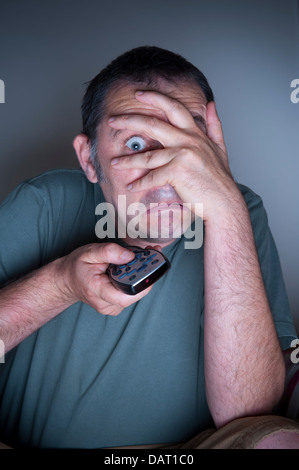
(59,186)
(258,214)
(67,179)
(255,206)
(252,199)
(52,195)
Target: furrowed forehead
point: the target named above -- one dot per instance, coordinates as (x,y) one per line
(121,100)
(121,96)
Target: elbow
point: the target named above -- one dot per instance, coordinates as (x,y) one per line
(263,400)
(276,386)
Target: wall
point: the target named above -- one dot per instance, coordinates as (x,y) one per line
(248,50)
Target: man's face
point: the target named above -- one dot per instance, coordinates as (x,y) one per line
(115,143)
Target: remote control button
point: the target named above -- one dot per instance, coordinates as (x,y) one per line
(132,277)
(155,261)
(127,268)
(147,252)
(127,274)
(141,268)
(150,258)
(132,262)
(123,275)
(116,272)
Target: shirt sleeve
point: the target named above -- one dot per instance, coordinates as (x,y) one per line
(270,268)
(24,231)
(44,218)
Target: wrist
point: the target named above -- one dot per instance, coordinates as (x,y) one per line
(62,281)
(229,210)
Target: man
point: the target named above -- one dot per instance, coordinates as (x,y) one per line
(89,366)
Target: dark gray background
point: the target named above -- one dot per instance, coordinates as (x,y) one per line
(249,51)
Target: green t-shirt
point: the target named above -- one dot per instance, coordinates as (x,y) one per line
(86,380)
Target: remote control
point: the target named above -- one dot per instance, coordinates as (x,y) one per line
(145,269)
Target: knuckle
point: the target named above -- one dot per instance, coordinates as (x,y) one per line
(176,106)
(185,152)
(110,310)
(107,250)
(125,117)
(88,293)
(148,156)
(86,249)
(122,303)
(125,303)
(184,156)
(152,121)
(177,167)
(150,177)
(184,161)
(127,160)
(80,255)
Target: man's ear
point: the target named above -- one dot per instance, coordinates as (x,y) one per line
(82,147)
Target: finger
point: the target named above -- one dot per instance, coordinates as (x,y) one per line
(176,113)
(214,128)
(150,126)
(158,177)
(155,247)
(149,159)
(106,253)
(111,295)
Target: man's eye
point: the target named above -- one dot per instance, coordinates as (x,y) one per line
(136,143)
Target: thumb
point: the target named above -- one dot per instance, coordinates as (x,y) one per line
(214,128)
(106,253)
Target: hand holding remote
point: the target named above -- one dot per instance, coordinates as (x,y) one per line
(145,269)
(82,276)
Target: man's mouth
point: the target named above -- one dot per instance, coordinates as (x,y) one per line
(157,207)
(162,197)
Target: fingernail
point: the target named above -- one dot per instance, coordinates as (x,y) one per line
(114,161)
(139,92)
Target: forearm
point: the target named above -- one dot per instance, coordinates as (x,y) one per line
(243,362)
(27,304)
